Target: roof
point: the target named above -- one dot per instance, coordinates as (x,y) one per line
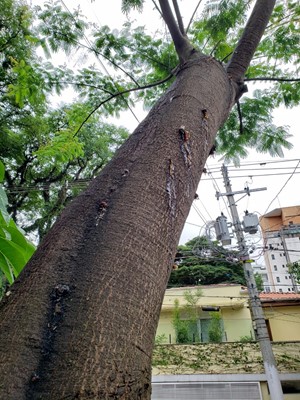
(277,212)
(216,285)
(279,297)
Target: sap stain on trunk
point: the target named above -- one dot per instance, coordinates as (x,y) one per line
(171,188)
(184,147)
(55,317)
(102,208)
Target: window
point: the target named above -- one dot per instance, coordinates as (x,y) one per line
(283,266)
(212,330)
(286,277)
(280,254)
(290,387)
(289,289)
(275,267)
(277,279)
(272,256)
(267,289)
(280,290)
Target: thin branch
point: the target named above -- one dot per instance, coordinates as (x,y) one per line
(115,65)
(240,117)
(280,22)
(97,53)
(182,45)
(192,17)
(178,16)
(215,47)
(266,78)
(225,58)
(120,94)
(250,39)
(156,6)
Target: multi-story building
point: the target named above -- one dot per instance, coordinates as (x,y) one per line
(281,235)
(262,271)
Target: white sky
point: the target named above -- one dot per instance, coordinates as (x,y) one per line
(108,13)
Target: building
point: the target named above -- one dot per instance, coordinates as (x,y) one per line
(229,300)
(262,271)
(282,313)
(232,368)
(281,235)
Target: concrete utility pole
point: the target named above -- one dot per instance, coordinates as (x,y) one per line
(258,318)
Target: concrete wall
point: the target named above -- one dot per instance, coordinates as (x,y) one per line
(220,358)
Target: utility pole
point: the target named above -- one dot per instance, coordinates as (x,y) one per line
(258,318)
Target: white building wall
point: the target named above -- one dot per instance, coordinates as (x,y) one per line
(277,258)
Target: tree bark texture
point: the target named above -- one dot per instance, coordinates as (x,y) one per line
(80,321)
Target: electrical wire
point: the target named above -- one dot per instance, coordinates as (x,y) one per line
(293,173)
(254,176)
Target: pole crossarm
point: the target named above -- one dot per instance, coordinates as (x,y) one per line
(246,190)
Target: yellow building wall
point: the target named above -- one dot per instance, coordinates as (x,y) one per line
(165,327)
(265,395)
(284,322)
(237,323)
(231,299)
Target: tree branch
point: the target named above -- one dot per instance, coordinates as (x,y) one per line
(240,117)
(120,94)
(266,78)
(250,39)
(156,6)
(182,45)
(192,17)
(178,16)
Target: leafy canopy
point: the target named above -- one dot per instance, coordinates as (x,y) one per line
(15,249)
(52,151)
(201,262)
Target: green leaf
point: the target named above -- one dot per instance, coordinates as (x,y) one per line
(14,254)
(3,200)
(4,217)
(2,171)
(6,268)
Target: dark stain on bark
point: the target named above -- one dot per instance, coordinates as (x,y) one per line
(57,308)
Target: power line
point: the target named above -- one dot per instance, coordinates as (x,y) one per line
(294,172)
(254,176)
(249,163)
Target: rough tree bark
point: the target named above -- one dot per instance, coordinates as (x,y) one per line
(80,321)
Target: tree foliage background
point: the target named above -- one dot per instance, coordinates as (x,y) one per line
(201,262)
(51,151)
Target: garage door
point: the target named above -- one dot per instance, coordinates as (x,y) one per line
(206,391)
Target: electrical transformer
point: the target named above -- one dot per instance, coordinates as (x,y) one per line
(222,232)
(250,223)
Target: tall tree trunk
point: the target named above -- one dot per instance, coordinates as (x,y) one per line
(80,321)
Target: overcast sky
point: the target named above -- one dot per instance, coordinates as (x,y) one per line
(208,207)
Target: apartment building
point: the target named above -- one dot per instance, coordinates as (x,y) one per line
(281,235)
